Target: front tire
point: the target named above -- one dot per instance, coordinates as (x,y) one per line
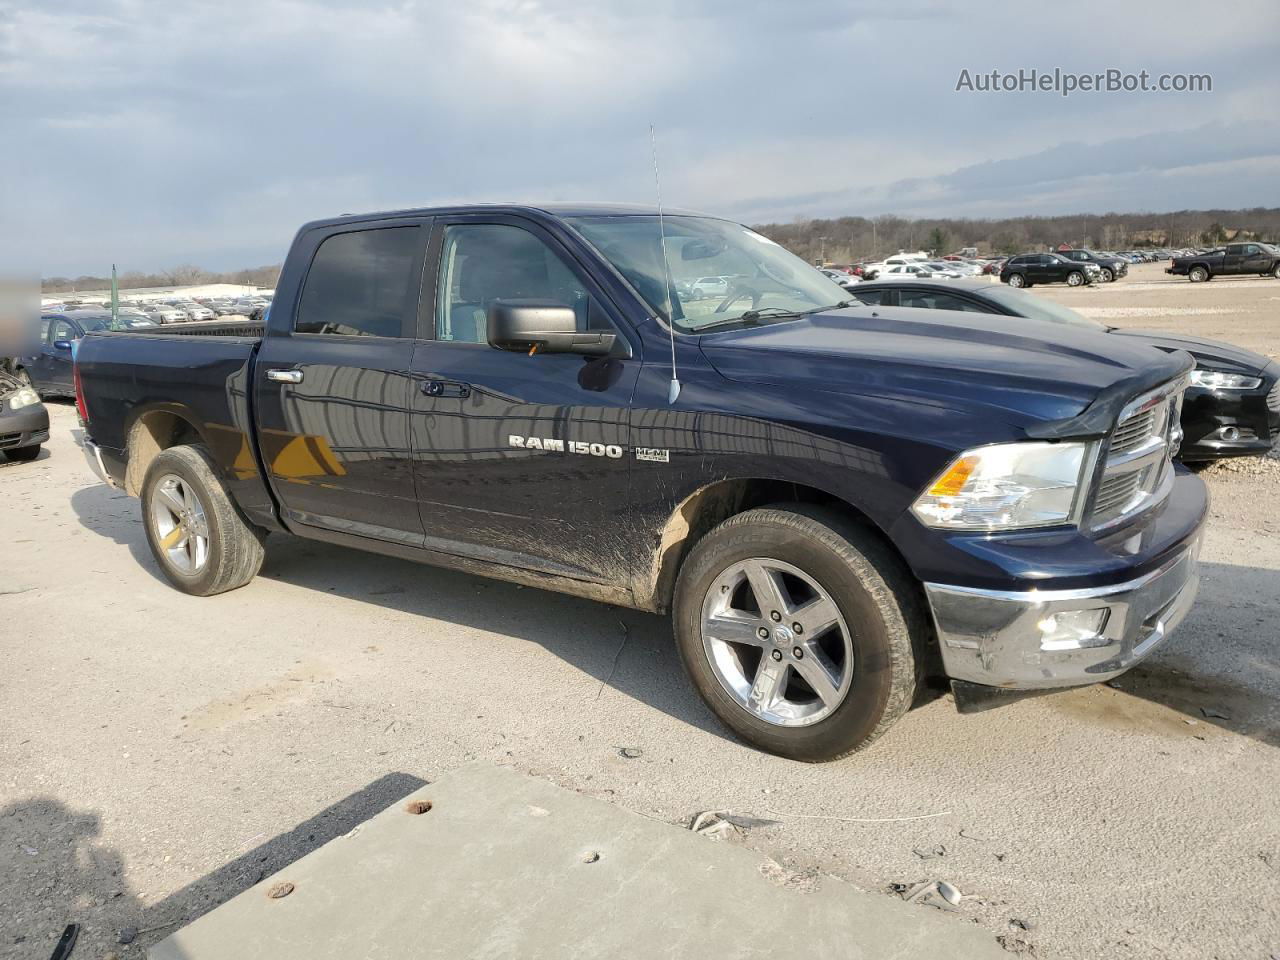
(1276,272)
(1198,275)
(798,628)
(1017,280)
(23,454)
(201,541)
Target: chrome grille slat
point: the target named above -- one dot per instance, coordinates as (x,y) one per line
(1136,470)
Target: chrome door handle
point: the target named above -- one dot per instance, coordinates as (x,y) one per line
(285,376)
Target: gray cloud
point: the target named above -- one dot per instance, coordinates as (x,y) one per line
(157,132)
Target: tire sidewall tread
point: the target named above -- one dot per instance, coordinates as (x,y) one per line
(235,544)
(870,585)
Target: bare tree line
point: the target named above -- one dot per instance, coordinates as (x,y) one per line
(846,239)
(184,275)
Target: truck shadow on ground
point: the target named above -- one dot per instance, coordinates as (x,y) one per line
(61,873)
(1218,671)
(626,650)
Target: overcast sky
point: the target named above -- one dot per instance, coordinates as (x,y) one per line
(156,133)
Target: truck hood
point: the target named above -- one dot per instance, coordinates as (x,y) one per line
(1213,354)
(1037,375)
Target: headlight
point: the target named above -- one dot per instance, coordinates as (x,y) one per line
(25,397)
(1221,380)
(1006,486)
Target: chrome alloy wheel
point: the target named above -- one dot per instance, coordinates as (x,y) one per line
(181,528)
(776,642)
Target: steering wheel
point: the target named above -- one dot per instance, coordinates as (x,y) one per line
(736,292)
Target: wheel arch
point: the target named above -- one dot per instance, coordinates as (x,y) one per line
(152,431)
(698,513)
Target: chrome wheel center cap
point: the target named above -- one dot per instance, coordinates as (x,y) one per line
(783,636)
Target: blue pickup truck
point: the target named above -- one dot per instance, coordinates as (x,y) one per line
(834,502)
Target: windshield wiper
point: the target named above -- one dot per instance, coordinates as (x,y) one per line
(752,318)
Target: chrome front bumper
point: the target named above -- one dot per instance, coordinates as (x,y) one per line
(994,637)
(93,455)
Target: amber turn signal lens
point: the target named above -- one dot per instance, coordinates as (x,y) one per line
(953,481)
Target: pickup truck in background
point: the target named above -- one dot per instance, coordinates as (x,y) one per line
(834,502)
(1235,259)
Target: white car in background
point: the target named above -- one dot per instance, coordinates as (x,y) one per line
(163,313)
(905,270)
(873,270)
(710,287)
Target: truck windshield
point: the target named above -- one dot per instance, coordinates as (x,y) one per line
(716,270)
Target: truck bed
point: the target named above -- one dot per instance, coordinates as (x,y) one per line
(236,329)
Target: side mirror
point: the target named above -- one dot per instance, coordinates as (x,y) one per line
(62,344)
(544,326)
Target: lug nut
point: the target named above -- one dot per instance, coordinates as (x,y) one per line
(777,654)
(762,633)
(775,616)
(797,629)
(798,653)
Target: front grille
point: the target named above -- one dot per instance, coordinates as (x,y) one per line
(1137,470)
(1133,432)
(1273,398)
(9,439)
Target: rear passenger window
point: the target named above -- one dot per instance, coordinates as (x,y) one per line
(870,297)
(361,284)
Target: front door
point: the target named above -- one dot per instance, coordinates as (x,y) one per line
(520,460)
(51,372)
(333,386)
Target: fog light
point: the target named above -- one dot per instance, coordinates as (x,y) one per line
(1074,629)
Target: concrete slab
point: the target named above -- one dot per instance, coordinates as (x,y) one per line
(505,865)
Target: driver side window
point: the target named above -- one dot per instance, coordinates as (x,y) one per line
(483,263)
(62,330)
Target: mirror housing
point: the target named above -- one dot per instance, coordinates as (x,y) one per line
(544,326)
(62,344)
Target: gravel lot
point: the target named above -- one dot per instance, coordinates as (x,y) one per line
(159,753)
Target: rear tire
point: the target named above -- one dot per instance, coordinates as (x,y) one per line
(868,654)
(23,454)
(1075,278)
(1198,275)
(1276,272)
(1108,275)
(201,541)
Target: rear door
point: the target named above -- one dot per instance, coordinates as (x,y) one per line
(333,385)
(520,460)
(1233,259)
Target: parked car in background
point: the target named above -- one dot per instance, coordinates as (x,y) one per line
(196,311)
(1028,269)
(49,369)
(872,270)
(1235,259)
(24,421)
(1110,267)
(703,287)
(1232,404)
(163,313)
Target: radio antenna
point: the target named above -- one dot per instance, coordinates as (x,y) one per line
(674,390)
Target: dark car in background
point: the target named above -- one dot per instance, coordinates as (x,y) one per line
(1028,269)
(1231,407)
(1235,259)
(49,369)
(24,422)
(1111,267)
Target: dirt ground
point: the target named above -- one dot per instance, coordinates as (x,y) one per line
(159,753)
